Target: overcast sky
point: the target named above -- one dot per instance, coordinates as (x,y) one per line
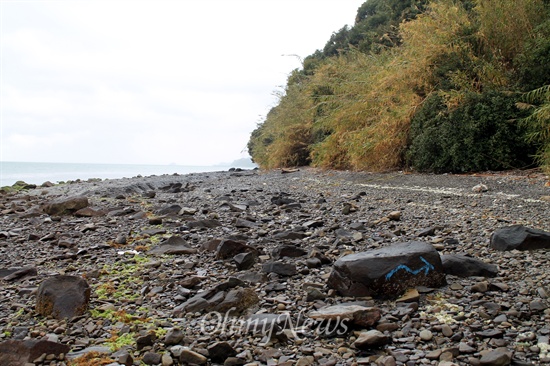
(149,82)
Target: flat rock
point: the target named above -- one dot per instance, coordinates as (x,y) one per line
(280,268)
(173,245)
(389,271)
(371,339)
(463,266)
(188,356)
(357,314)
(519,237)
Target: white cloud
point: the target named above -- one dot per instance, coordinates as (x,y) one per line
(149,81)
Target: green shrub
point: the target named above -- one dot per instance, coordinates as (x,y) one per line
(482,133)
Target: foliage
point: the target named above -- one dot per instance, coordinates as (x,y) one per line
(403,78)
(116,341)
(482,133)
(538,123)
(92,359)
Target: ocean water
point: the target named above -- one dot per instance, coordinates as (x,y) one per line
(38,173)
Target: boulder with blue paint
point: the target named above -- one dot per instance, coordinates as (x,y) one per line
(388,272)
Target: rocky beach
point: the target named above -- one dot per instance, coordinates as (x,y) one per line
(305,267)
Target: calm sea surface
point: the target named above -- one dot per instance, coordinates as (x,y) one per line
(38,173)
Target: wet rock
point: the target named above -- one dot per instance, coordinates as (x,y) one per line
(463,266)
(66,205)
(519,237)
(63,297)
(173,245)
(389,271)
(280,268)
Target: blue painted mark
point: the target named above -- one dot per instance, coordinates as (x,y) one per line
(427,267)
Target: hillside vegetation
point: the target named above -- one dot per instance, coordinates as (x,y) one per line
(442,86)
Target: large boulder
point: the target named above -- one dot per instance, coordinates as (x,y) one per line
(519,237)
(66,205)
(63,297)
(463,266)
(22,352)
(388,272)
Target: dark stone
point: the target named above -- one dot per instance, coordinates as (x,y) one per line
(64,206)
(145,340)
(282,200)
(427,232)
(463,266)
(490,333)
(313,263)
(519,237)
(203,224)
(496,357)
(19,353)
(220,351)
(17,273)
(268,325)
(89,212)
(221,298)
(313,224)
(173,245)
(245,224)
(211,245)
(151,358)
(245,261)
(230,248)
(236,301)
(63,297)
(170,210)
(155,220)
(173,336)
(388,272)
(280,268)
(291,251)
(289,235)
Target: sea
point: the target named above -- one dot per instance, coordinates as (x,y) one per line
(38,173)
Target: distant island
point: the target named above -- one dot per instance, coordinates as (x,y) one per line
(241,163)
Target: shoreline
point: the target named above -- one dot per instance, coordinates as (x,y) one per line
(116,246)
